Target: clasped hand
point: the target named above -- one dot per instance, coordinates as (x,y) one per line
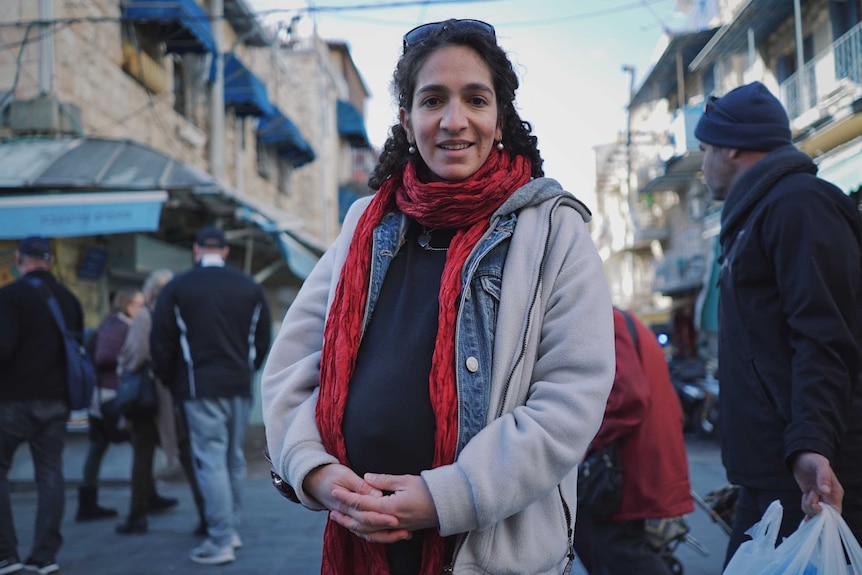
(379,508)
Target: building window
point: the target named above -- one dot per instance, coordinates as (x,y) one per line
(190,74)
(143,59)
(265,161)
(285,169)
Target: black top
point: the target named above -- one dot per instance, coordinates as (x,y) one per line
(388,420)
(791,329)
(227,333)
(32,351)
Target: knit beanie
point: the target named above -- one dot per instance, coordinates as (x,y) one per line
(746,118)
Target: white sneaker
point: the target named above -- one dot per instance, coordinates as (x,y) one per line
(10,565)
(42,568)
(235,541)
(208,553)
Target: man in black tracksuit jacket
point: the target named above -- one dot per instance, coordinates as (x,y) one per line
(211,331)
(34,405)
(790,322)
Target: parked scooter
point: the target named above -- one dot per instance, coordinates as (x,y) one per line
(698,391)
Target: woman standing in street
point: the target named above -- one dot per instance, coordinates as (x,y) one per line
(109,339)
(444,367)
(145,434)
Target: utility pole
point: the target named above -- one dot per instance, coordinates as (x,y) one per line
(630,70)
(46,49)
(217,93)
(800,57)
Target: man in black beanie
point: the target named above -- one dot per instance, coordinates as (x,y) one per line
(790,343)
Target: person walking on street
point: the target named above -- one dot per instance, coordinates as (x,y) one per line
(790,343)
(145,427)
(109,339)
(34,405)
(643,413)
(211,332)
(446,363)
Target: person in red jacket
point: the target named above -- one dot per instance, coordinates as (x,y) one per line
(644,413)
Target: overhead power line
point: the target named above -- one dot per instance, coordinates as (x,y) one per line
(350,8)
(251,16)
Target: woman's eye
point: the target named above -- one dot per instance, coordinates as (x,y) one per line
(432,101)
(478,101)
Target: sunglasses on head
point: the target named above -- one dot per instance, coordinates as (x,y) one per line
(712,105)
(425,31)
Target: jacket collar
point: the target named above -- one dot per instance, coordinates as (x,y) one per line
(756,182)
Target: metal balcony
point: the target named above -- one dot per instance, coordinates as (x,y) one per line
(680,273)
(831,80)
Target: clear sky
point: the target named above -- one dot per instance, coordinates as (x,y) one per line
(569,55)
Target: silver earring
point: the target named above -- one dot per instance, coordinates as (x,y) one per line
(500,145)
(411,149)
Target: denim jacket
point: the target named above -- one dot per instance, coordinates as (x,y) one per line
(477,311)
(534,361)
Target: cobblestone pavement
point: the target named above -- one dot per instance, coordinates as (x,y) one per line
(279,537)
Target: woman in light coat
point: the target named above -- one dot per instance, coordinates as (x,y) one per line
(447,362)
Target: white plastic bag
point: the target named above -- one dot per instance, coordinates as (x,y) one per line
(817,547)
(754,556)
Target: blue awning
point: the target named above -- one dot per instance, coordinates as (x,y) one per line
(278,131)
(351,125)
(87,214)
(183,25)
(243,90)
(300,259)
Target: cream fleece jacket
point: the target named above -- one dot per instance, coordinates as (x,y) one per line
(508,492)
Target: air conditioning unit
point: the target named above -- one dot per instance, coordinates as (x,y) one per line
(44,115)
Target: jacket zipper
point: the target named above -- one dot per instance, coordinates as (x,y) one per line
(570,533)
(450,568)
(530,312)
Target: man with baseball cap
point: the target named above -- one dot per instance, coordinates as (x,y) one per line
(790,298)
(211,331)
(34,406)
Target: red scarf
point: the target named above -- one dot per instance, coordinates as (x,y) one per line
(466,205)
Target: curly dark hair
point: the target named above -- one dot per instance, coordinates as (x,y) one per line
(517,134)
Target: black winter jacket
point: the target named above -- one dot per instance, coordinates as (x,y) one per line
(211,332)
(32,353)
(791,327)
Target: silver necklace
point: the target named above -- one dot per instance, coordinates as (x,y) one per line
(424,240)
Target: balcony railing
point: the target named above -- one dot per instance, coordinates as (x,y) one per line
(833,73)
(649,226)
(679,273)
(683,267)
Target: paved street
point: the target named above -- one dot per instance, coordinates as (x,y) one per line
(279,537)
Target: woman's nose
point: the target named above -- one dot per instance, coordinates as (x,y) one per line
(454,118)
